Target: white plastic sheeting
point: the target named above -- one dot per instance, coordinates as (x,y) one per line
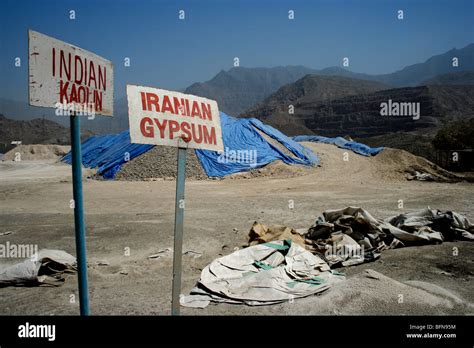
(448,224)
(263,274)
(46,267)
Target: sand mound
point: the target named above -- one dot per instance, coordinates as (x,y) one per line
(372,293)
(403,162)
(389,165)
(36,152)
(276,169)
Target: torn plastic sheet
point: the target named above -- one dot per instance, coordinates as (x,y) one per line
(47,267)
(263,274)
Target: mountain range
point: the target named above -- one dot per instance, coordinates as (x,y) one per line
(317,95)
(240,88)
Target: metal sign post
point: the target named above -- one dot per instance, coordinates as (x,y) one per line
(79,213)
(168,118)
(66,77)
(178,230)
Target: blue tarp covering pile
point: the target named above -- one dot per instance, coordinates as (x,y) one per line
(244,149)
(356,147)
(108,153)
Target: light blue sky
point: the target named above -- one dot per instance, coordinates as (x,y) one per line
(172,53)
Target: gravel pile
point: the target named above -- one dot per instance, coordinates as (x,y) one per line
(160,163)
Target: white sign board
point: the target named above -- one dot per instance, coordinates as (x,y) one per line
(66,74)
(162,117)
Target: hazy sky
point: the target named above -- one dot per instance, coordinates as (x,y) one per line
(172,53)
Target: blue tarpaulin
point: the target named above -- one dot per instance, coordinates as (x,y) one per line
(356,147)
(245,148)
(109,152)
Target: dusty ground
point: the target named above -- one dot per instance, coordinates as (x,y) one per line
(34,205)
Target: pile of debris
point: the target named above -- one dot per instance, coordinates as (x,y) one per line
(281,263)
(350,236)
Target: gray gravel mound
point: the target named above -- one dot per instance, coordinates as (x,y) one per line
(161,162)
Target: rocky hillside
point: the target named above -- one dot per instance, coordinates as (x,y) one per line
(36,131)
(303,95)
(458,78)
(321,111)
(239,88)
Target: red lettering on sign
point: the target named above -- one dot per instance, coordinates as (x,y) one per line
(77,61)
(102,78)
(82,95)
(196,111)
(85,71)
(178,106)
(210,138)
(186,129)
(206,111)
(195,138)
(63,92)
(92,74)
(174,127)
(64,66)
(161,127)
(142,94)
(166,105)
(73,95)
(187,106)
(152,99)
(98,100)
(54,61)
(146,127)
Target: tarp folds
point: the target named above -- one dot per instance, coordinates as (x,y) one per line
(359,224)
(350,236)
(263,274)
(108,153)
(245,148)
(449,224)
(342,143)
(47,267)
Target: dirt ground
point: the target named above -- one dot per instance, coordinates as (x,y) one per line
(34,206)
